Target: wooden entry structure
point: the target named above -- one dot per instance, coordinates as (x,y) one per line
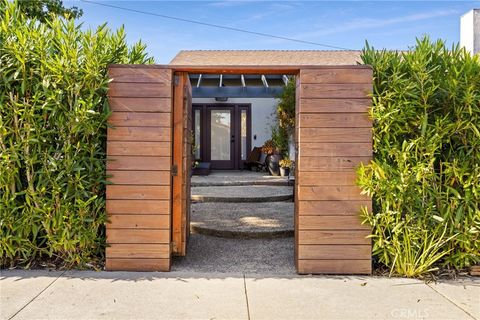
(148,157)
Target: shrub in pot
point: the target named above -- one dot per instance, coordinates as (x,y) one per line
(285,165)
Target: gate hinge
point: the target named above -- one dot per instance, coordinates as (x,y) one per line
(174,170)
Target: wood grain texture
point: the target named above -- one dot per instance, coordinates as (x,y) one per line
(330,193)
(336,222)
(140,119)
(126,74)
(138,207)
(335,266)
(137,221)
(329,208)
(334,237)
(331,163)
(134,104)
(334,252)
(139,90)
(138,192)
(126,264)
(158,178)
(138,163)
(314,149)
(344,91)
(335,135)
(325,105)
(144,250)
(137,236)
(182,160)
(334,120)
(333,76)
(326,178)
(475,271)
(139,134)
(130,148)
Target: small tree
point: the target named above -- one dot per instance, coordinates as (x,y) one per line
(42,10)
(284,118)
(286,108)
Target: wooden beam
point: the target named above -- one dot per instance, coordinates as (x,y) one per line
(199,80)
(264,80)
(245,69)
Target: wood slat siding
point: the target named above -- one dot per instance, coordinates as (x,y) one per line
(333,133)
(138,166)
(126,148)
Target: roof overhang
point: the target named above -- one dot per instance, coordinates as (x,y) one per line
(251,69)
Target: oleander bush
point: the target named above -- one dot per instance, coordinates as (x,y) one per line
(53,110)
(425,176)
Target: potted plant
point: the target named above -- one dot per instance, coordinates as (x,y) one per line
(285,166)
(273,158)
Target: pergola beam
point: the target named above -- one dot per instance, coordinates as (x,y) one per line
(199,80)
(264,80)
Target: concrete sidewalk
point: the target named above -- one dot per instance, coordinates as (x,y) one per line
(181,295)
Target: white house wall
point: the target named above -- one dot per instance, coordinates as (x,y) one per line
(262,115)
(470,31)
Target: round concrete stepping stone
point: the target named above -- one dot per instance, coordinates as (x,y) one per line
(240,178)
(243,220)
(242,193)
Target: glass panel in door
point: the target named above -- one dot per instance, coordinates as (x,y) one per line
(243,134)
(220,131)
(197,133)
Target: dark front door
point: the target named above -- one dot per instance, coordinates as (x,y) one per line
(222,134)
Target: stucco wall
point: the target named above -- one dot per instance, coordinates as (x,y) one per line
(470,31)
(262,115)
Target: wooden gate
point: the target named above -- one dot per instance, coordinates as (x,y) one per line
(148,201)
(139,162)
(334,135)
(182,162)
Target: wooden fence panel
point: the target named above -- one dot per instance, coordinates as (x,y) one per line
(333,133)
(139,163)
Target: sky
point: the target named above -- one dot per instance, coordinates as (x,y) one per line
(342,24)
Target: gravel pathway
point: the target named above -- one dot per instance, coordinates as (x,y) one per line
(243,220)
(250,256)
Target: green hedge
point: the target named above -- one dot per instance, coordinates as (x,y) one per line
(53,114)
(425,177)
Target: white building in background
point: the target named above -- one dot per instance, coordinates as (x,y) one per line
(470,31)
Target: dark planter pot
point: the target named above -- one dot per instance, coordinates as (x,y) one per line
(273,164)
(203,169)
(284,172)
